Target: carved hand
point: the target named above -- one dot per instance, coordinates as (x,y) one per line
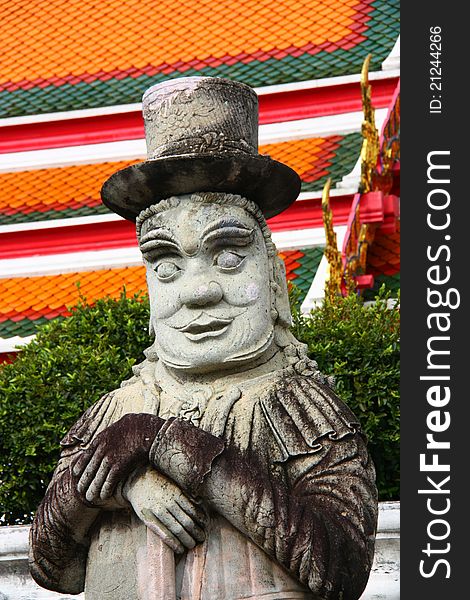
(114,454)
(166,510)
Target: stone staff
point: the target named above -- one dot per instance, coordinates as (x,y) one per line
(158,577)
(156,574)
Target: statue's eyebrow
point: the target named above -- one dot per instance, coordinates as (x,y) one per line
(158,241)
(228,230)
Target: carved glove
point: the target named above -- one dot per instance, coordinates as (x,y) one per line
(165,509)
(114,454)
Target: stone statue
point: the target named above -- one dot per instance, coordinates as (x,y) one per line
(226,468)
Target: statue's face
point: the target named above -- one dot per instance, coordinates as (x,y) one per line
(208,280)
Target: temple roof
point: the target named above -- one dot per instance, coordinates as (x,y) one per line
(62,55)
(63,192)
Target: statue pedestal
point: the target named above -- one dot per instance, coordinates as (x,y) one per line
(17,584)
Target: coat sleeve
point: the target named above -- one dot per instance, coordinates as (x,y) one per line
(313,508)
(59,542)
(58,537)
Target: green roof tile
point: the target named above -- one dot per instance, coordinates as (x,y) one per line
(381,29)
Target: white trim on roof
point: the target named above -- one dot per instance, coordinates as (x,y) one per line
(10,344)
(392,63)
(70,262)
(351,180)
(341,190)
(341,124)
(75,262)
(72,155)
(325,82)
(299,238)
(271,133)
(389,73)
(53,223)
(83,113)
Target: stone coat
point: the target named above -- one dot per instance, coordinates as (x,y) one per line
(278,462)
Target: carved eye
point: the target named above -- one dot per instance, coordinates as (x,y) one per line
(166,270)
(228,260)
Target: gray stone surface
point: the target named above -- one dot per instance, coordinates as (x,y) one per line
(384,581)
(202,135)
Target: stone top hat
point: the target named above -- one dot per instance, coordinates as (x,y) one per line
(202,136)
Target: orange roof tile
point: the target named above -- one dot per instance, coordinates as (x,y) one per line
(143,32)
(57,292)
(47,189)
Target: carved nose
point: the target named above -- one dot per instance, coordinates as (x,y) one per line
(200,295)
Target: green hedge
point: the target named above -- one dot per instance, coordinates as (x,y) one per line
(73,362)
(360,345)
(69,365)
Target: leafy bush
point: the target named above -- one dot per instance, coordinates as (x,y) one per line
(69,365)
(73,362)
(360,345)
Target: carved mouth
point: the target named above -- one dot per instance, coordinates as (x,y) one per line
(205,327)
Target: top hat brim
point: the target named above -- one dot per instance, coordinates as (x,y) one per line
(272,185)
